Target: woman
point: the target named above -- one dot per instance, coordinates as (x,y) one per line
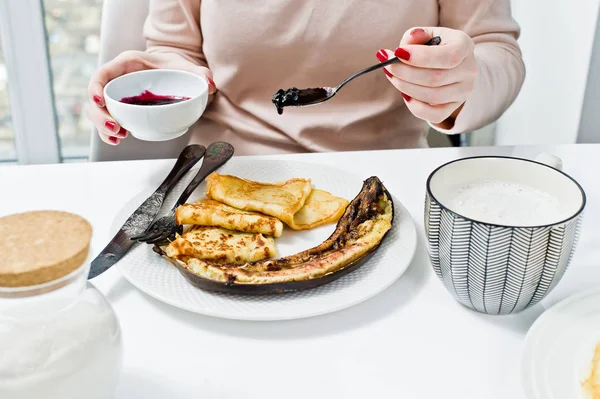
(249,50)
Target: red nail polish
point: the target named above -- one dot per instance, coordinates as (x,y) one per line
(97,100)
(113,140)
(402,54)
(110,125)
(211,82)
(417,31)
(407,98)
(122,133)
(388,73)
(382,56)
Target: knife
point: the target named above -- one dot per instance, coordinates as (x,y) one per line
(145,214)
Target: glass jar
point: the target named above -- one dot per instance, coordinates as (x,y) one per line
(58,340)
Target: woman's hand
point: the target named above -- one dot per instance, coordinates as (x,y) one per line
(131,61)
(435,81)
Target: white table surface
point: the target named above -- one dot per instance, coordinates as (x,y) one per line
(411,341)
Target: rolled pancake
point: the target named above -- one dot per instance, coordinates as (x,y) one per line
(209,212)
(221,245)
(320,208)
(281,200)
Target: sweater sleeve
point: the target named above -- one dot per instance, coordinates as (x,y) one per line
(173,26)
(501,69)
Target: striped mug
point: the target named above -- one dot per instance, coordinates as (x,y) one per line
(501,231)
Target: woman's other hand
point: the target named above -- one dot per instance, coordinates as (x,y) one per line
(435,81)
(131,61)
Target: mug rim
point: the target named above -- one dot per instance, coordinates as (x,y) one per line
(574,216)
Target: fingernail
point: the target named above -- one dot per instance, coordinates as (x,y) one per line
(122,133)
(382,55)
(407,98)
(402,54)
(388,73)
(417,31)
(211,82)
(113,140)
(97,100)
(110,125)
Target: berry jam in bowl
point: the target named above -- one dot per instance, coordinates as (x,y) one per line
(157,104)
(148,98)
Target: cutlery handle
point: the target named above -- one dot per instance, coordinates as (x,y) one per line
(187,159)
(435,41)
(217,154)
(367,70)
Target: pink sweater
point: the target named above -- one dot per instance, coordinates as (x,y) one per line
(255,48)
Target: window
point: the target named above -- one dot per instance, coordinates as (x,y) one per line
(73,32)
(25,58)
(7,138)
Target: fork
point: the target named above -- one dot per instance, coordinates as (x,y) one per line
(166,228)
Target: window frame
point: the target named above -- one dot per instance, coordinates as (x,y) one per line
(23,38)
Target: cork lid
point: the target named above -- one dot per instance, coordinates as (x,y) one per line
(41,246)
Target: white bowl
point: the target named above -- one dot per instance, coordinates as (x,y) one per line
(157,122)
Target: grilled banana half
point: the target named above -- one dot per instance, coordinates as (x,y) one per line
(359,232)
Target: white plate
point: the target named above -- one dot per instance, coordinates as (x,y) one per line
(159,279)
(559,348)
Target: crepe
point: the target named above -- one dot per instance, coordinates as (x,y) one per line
(221,245)
(281,200)
(209,212)
(294,202)
(320,208)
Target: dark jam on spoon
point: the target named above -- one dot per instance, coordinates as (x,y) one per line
(296,97)
(149,98)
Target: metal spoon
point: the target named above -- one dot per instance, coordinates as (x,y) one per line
(303,97)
